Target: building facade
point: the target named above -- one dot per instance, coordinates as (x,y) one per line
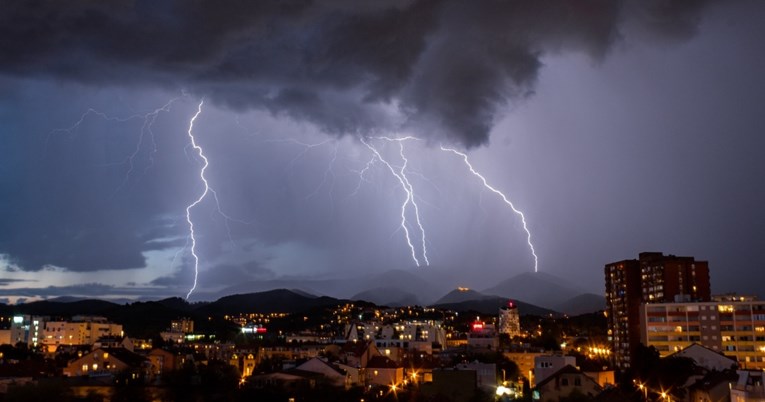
(81,330)
(509,320)
(734,328)
(652,278)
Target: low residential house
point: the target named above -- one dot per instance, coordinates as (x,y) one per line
(714,387)
(381,370)
(707,358)
(107,361)
(293,351)
(114,342)
(524,360)
(162,362)
(284,380)
(750,387)
(452,385)
(332,373)
(546,365)
(565,382)
(244,362)
(486,374)
(358,354)
(604,378)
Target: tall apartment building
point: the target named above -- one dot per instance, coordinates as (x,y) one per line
(652,278)
(735,328)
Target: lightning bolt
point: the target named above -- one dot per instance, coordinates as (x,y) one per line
(148,122)
(205,164)
(499,193)
(406,185)
(362,175)
(146,128)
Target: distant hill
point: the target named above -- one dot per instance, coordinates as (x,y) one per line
(539,288)
(405,282)
(582,304)
(272,301)
(387,296)
(177,303)
(55,308)
(491,304)
(300,286)
(460,295)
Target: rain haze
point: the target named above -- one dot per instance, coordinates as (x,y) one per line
(329,135)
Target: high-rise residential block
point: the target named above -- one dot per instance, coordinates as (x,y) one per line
(652,278)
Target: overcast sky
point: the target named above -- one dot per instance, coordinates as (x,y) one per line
(615,127)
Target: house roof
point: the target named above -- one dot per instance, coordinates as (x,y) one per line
(356,348)
(682,352)
(381,362)
(568,369)
(126,356)
(331,366)
(714,378)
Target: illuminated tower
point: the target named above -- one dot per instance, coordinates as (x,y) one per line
(509,320)
(652,278)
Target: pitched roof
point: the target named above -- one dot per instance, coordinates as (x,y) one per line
(338,370)
(568,369)
(714,378)
(381,362)
(356,348)
(683,351)
(126,356)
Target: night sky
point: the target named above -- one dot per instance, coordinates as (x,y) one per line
(615,127)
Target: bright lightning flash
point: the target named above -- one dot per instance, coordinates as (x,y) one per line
(499,193)
(199,199)
(406,185)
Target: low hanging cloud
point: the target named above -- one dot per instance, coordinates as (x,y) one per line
(442,67)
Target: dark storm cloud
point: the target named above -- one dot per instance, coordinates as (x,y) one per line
(224,275)
(6,281)
(85,290)
(447,66)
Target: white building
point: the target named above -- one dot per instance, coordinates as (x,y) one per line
(547,365)
(27,329)
(82,330)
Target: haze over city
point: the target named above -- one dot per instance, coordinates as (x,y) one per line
(615,127)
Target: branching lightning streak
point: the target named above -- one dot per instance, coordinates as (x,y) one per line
(362,174)
(411,196)
(199,199)
(148,122)
(508,202)
(400,175)
(329,175)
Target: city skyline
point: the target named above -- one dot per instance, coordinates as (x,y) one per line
(614,127)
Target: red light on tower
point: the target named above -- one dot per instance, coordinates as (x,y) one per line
(510,304)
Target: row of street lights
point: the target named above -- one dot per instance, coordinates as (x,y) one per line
(665,396)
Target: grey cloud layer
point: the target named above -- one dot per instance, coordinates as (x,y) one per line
(446,67)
